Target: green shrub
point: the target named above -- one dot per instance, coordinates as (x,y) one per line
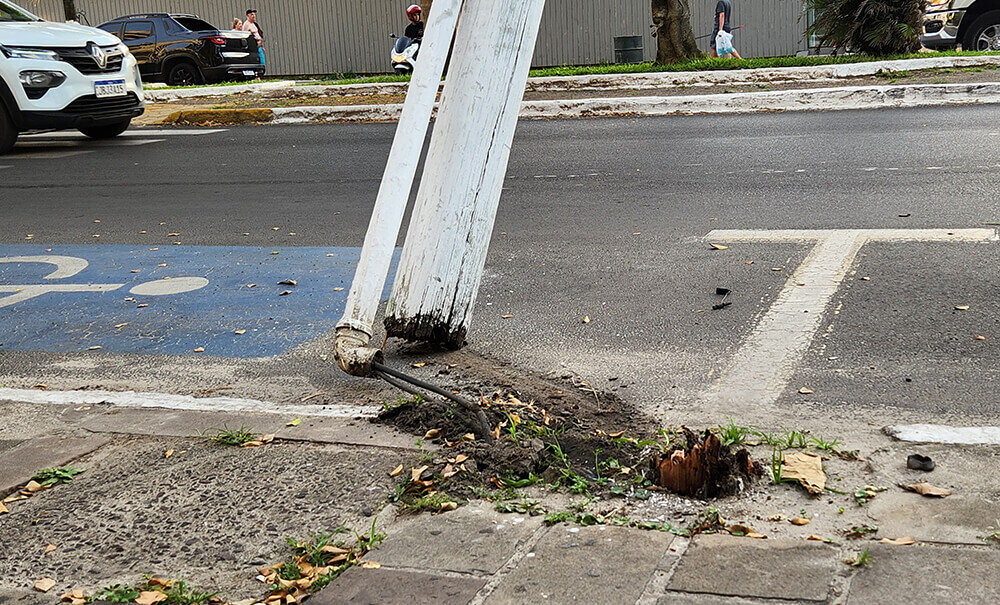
(871,27)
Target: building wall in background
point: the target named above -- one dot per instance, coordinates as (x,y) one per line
(307,37)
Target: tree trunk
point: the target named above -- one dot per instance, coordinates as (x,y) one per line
(69,9)
(425,6)
(674,36)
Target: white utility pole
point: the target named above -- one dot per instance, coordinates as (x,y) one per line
(445,250)
(355,328)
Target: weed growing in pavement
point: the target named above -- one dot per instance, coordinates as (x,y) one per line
(860,531)
(175,592)
(116,593)
(54,475)
(228,436)
(389,405)
(777,463)
(734,434)
(525,506)
(863,495)
(435,502)
(861,559)
(824,444)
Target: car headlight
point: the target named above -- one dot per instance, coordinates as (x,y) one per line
(29,53)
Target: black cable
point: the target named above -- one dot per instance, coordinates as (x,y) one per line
(395,377)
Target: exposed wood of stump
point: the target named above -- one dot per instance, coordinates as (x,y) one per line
(705,468)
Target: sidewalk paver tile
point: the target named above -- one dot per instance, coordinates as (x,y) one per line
(19,464)
(391,587)
(470,539)
(589,565)
(927,574)
(958,519)
(769,569)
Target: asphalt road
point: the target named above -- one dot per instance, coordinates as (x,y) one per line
(603,218)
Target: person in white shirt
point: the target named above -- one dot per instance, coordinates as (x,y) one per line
(250,25)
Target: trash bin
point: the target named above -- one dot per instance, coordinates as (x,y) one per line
(628,49)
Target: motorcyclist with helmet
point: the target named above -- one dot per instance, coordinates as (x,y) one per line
(415,30)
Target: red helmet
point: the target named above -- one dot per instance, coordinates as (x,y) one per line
(413,12)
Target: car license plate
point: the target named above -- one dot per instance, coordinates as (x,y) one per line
(249,72)
(110,88)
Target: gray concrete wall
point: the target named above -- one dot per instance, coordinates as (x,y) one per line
(326,36)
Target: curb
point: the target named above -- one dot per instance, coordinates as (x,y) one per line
(600,82)
(218,117)
(830,99)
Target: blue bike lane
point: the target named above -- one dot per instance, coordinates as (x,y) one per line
(171,300)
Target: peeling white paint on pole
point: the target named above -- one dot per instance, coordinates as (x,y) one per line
(767,360)
(445,250)
(397,180)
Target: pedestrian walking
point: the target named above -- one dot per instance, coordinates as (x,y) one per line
(251,25)
(722,11)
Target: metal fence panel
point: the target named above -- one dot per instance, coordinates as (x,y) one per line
(306,37)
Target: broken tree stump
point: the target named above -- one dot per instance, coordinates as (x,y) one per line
(704,467)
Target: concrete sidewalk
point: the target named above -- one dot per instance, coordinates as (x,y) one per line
(214,515)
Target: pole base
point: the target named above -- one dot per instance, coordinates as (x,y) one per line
(426,328)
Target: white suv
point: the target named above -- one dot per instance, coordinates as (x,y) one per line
(63,75)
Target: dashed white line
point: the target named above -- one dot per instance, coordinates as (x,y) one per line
(132,399)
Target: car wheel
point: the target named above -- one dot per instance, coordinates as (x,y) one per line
(183,74)
(106,131)
(984,33)
(8,134)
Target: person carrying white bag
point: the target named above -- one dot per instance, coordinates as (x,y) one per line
(722,43)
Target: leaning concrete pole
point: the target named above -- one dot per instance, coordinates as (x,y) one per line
(445,249)
(354,331)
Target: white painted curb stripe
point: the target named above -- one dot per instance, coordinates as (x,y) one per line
(939,433)
(841,98)
(132,399)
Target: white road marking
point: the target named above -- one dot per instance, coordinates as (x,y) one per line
(939,433)
(72,135)
(132,399)
(167,287)
(2,167)
(66,266)
(767,360)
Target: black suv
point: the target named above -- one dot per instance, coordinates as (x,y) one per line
(183,49)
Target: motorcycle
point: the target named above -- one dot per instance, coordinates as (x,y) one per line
(404,54)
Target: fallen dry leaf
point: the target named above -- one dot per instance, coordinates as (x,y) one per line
(370,564)
(807,469)
(961,307)
(799,521)
(586,319)
(745,531)
(142,306)
(288,282)
(507,316)
(121,325)
(432,434)
(419,364)
(94,348)
(149,597)
(285,293)
(338,289)
(806,391)
(294,422)
(33,486)
(980,337)
(898,541)
(44,584)
(3,508)
(777,268)
(396,471)
(926,489)
(240,332)
(469,437)
(416,472)
(268,438)
(719,247)
(199,350)
(50,548)
(816,538)
(168,453)
(173,234)
(447,506)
